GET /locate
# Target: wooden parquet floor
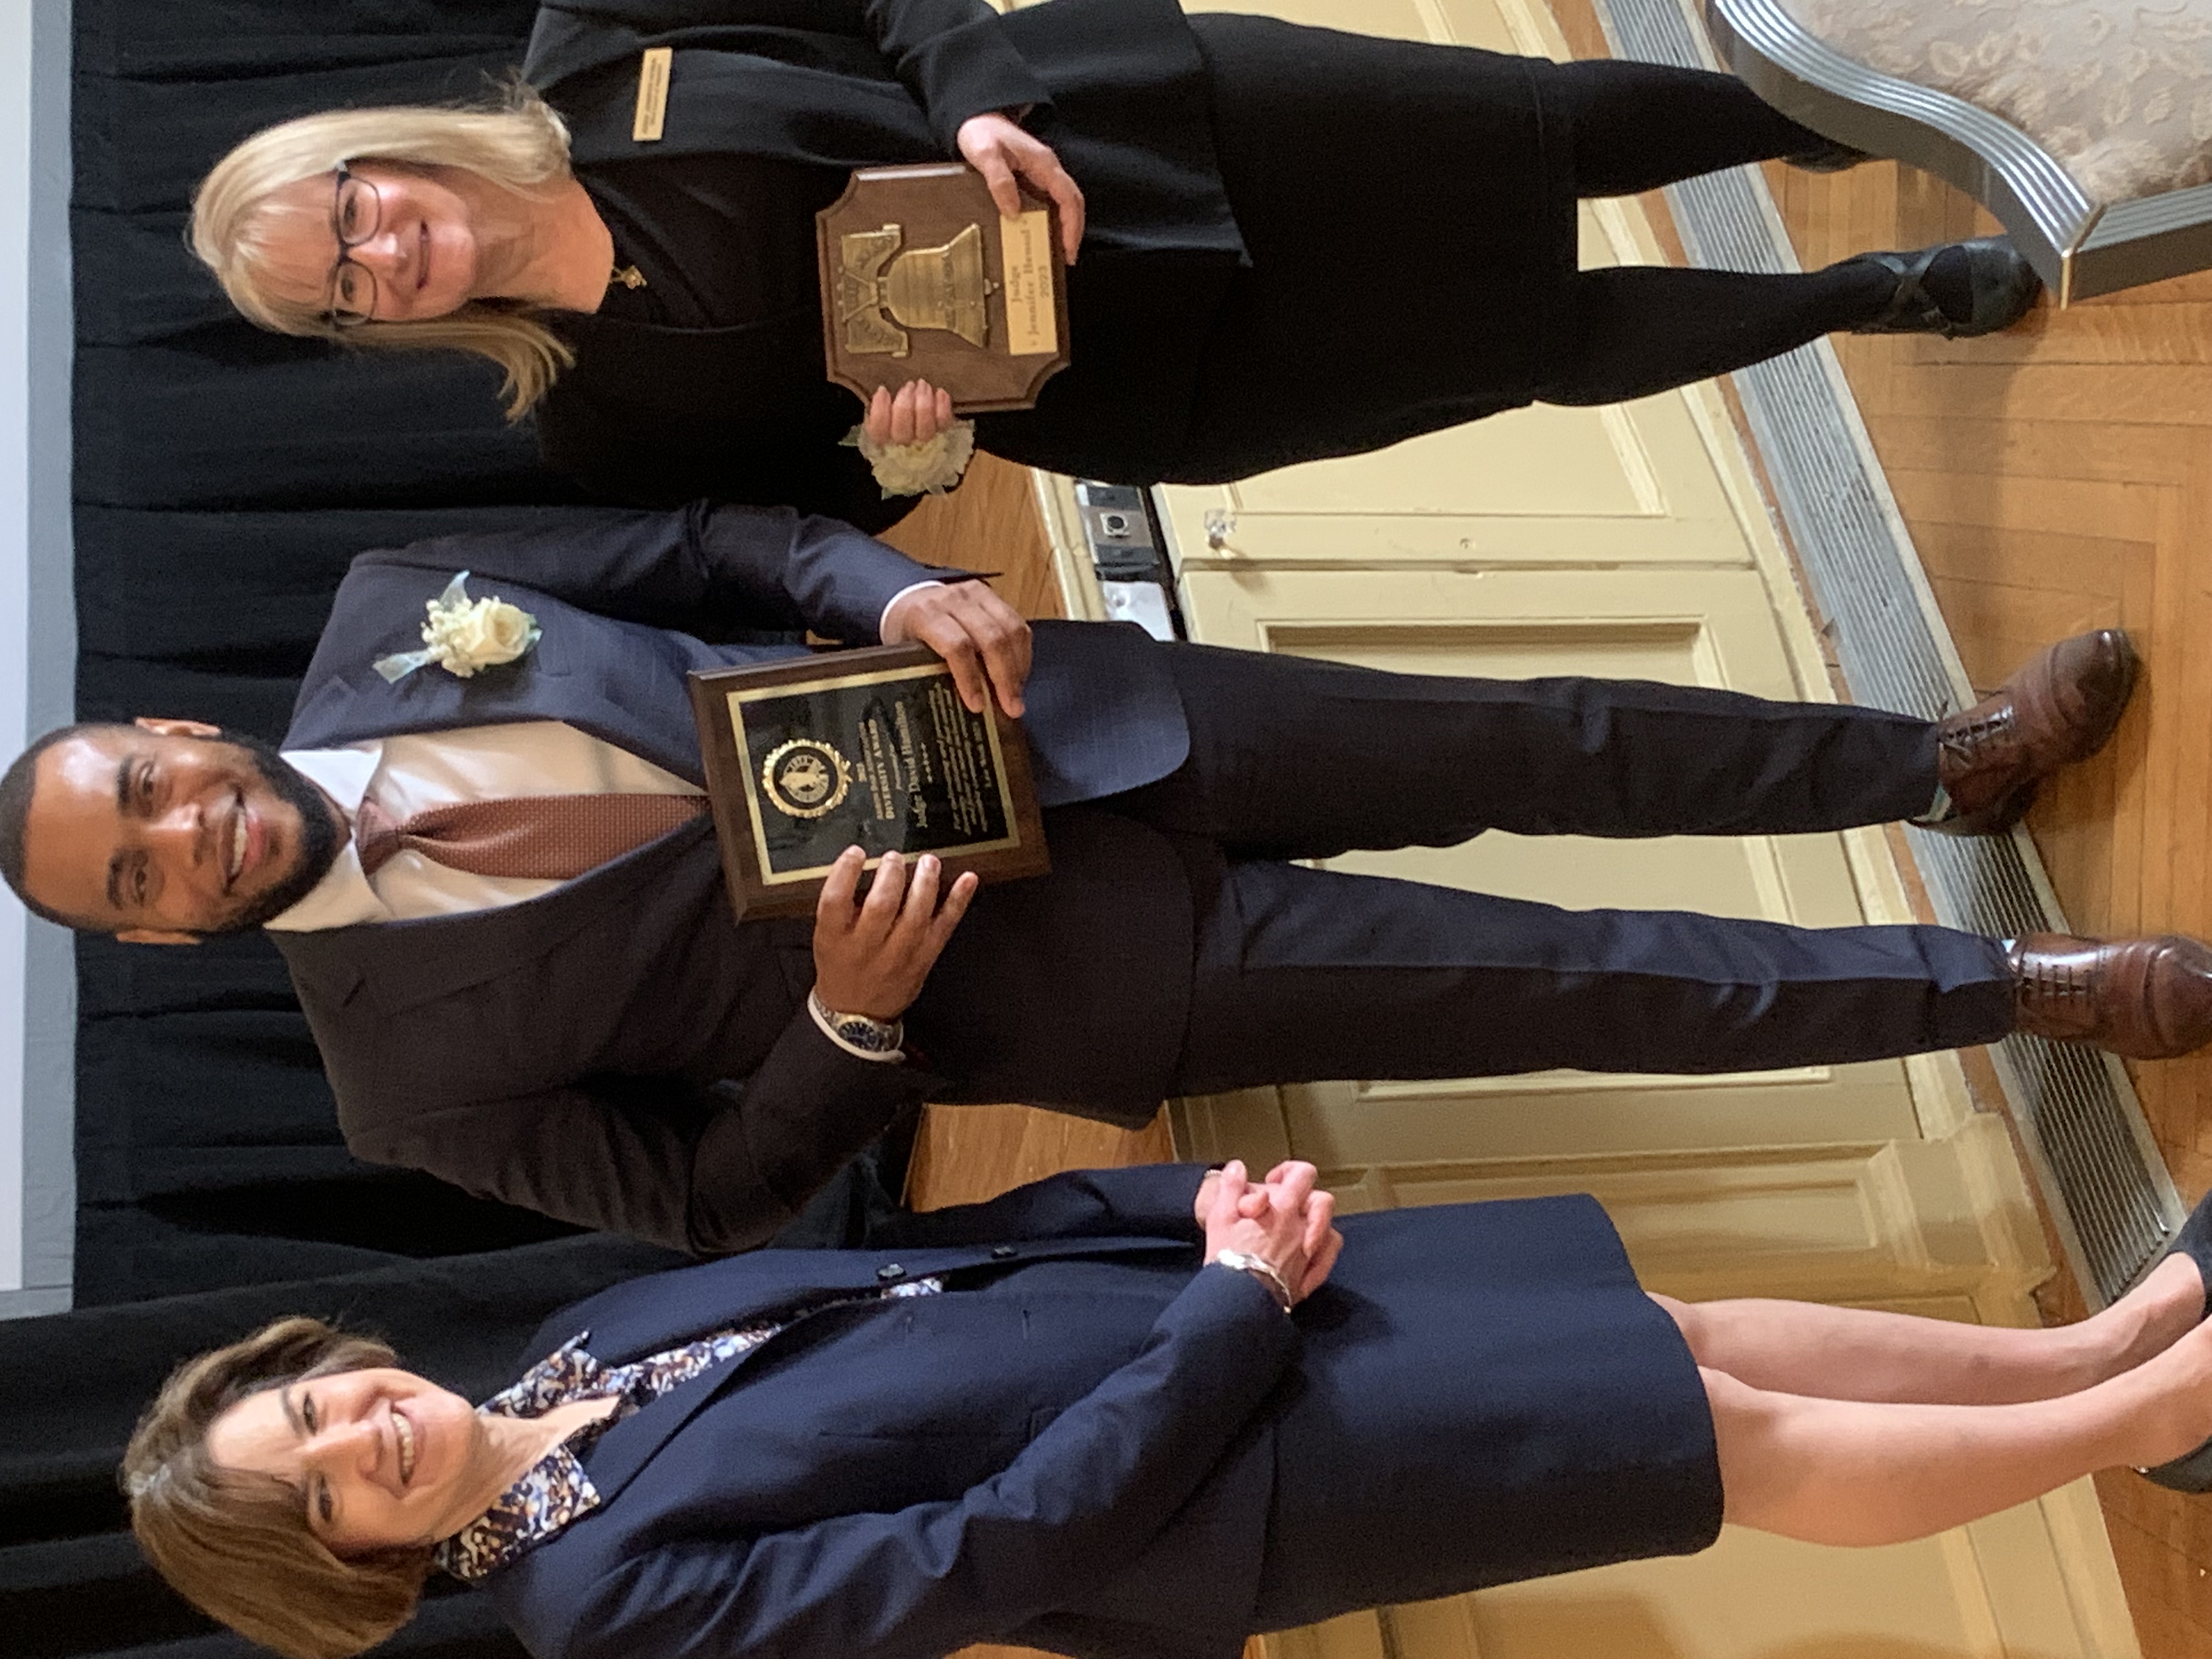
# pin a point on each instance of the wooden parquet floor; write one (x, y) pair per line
(2058, 477)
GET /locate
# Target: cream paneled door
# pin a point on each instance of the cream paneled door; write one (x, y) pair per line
(1633, 541)
(1628, 485)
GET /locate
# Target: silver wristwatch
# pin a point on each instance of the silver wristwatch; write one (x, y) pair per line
(1245, 1262)
(862, 1033)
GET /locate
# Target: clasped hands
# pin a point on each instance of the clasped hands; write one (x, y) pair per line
(1002, 152)
(1283, 1220)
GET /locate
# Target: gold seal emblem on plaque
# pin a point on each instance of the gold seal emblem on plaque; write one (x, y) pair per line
(805, 778)
(880, 288)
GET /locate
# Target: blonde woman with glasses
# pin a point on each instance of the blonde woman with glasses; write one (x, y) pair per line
(1291, 243)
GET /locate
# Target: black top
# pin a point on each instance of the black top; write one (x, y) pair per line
(721, 240)
(710, 379)
(787, 91)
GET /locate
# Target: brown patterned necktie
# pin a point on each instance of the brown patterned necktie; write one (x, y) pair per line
(542, 837)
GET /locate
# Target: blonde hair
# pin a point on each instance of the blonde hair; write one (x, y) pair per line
(237, 1545)
(519, 142)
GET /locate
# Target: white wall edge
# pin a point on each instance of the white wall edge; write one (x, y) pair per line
(38, 639)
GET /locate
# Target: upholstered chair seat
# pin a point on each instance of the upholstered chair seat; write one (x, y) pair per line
(2084, 126)
(2118, 92)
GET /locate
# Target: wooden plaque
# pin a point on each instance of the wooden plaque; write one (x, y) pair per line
(921, 280)
(870, 748)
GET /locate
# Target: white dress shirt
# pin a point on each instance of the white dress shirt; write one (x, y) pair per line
(410, 774)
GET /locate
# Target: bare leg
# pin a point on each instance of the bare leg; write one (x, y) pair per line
(1853, 1472)
(1852, 1353)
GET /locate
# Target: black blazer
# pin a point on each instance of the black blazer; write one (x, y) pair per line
(620, 1052)
(1102, 1451)
(657, 416)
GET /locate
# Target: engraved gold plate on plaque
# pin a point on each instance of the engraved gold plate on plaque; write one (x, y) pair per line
(922, 279)
(1028, 255)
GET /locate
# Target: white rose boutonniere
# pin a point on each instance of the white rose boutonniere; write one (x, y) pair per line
(464, 634)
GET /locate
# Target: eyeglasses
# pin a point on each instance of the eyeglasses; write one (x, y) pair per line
(356, 211)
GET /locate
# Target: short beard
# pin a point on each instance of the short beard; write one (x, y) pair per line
(319, 837)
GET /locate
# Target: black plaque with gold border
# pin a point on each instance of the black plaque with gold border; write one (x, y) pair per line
(870, 748)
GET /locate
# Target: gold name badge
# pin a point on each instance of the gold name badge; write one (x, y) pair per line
(1025, 258)
(652, 93)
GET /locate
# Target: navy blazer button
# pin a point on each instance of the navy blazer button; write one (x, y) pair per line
(890, 1270)
(1000, 1252)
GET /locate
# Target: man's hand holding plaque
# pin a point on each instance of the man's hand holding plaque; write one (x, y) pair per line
(872, 951)
(984, 640)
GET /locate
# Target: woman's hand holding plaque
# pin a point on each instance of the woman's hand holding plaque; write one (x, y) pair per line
(998, 149)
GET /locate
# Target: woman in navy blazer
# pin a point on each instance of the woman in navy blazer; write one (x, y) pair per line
(1041, 1420)
(1296, 243)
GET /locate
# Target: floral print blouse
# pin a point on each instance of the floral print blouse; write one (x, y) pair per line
(555, 1490)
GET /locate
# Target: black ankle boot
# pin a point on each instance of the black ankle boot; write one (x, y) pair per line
(2189, 1473)
(2194, 1471)
(1827, 156)
(2194, 1242)
(2002, 286)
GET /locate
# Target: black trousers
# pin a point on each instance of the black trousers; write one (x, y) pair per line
(1305, 975)
(1409, 211)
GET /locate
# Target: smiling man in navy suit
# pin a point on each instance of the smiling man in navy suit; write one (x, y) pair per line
(573, 1020)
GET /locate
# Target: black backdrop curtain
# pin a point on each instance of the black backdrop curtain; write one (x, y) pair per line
(223, 478)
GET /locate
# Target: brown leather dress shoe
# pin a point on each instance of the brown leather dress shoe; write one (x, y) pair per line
(2059, 708)
(2147, 999)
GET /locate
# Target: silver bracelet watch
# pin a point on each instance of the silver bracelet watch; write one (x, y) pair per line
(1245, 1262)
(861, 1032)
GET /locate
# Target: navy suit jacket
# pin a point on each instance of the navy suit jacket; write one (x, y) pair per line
(620, 1052)
(1077, 1455)
(1104, 1450)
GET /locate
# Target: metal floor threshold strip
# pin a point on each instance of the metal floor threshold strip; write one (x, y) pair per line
(2107, 1187)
